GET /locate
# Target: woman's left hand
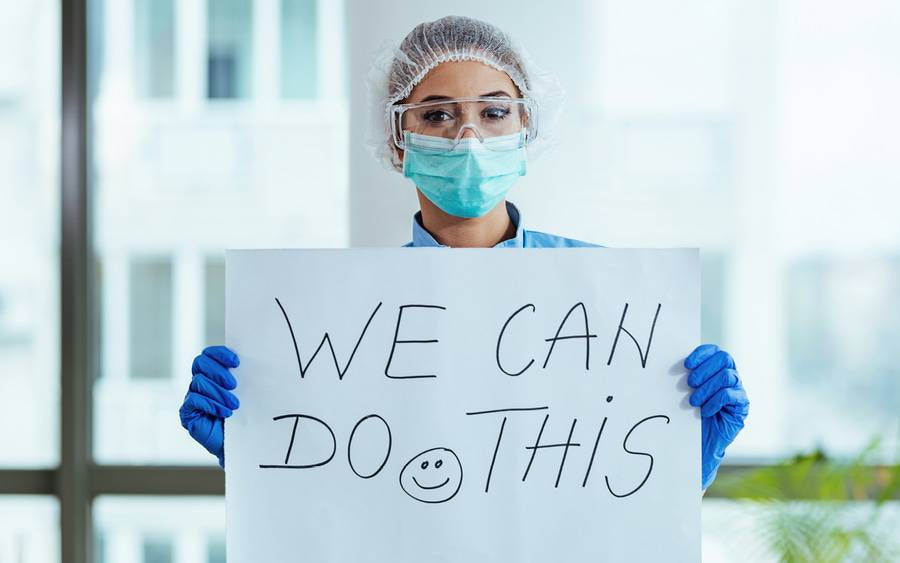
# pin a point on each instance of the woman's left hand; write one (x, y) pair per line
(723, 403)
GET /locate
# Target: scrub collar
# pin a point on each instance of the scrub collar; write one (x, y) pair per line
(422, 238)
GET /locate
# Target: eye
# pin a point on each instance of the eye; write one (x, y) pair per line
(496, 113)
(438, 463)
(424, 465)
(437, 116)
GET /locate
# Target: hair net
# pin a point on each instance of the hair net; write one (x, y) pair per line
(397, 70)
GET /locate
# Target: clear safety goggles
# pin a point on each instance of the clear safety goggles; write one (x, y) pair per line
(485, 117)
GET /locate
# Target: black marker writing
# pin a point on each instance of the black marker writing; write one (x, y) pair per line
(487, 484)
(538, 446)
(500, 339)
(586, 336)
(650, 457)
(325, 339)
(387, 454)
(642, 353)
(287, 456)
(510, 409)
(433, 476)
(387, 367)
(565, 451)
(587, 473)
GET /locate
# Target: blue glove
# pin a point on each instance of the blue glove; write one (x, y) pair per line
(722, 400)
(209, 400)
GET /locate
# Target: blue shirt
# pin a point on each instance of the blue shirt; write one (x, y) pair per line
(523, 238)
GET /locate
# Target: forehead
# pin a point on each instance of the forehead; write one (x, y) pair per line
(457, 79)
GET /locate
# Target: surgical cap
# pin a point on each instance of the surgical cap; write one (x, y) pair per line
(396, 70)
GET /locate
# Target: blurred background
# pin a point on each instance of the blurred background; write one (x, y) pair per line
(762, 131)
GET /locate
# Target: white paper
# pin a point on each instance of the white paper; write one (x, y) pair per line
(473, 500)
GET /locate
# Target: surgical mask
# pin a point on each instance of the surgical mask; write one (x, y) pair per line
(468, 177)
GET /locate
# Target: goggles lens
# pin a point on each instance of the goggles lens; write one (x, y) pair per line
(465, 118)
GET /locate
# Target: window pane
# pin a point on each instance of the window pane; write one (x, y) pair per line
(230, 24)
(181, 178)
(150, 318)
(215, 549)
(843, 321)
(154, 47)
(157, 549)
(215, 301)
(298, 48)
(29, 529)
(29, 235)
(159, 530)
(712, 280)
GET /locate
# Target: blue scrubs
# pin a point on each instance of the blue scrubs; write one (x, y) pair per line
(523, 238)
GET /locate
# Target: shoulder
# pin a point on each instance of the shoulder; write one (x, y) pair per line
(537, 239)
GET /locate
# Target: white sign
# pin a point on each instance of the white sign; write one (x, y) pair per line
(463, 405)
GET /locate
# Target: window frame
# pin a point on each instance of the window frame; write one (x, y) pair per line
(77, 480)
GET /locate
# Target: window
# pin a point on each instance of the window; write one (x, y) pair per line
(688, 154)
(150, 318)
(154, 47)
(173, 189)
(157, 549)
(712, 302)
(215, 549)
(29, 530)
(29, 234)
(159, 530)
(215, 301)
(298, 48)
(843, 326)
(229, 52)
(710, 136)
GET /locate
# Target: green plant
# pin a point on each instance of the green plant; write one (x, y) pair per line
(815, 508)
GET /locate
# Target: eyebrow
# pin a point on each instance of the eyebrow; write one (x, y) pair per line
(494, 94)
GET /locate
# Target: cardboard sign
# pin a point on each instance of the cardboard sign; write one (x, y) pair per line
(432, 405)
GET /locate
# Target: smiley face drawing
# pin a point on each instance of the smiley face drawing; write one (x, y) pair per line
(432, 476)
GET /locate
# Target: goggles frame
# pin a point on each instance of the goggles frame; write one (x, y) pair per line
(397, 111)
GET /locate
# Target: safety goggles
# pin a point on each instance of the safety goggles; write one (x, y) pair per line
(486, 117)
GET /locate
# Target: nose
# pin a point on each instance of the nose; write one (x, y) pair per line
(468, 131)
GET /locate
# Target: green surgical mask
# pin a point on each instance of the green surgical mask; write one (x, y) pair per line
(467, 178)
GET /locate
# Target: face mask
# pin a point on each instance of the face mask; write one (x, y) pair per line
(468, 178)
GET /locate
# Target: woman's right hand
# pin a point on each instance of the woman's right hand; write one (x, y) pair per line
(209, 400)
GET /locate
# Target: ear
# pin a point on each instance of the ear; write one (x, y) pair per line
(397, 151)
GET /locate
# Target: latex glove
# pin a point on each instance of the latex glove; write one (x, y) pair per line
(209, 400)
(722, 401)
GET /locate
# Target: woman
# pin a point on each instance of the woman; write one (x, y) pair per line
(459, 108)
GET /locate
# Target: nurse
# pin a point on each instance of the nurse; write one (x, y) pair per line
(459, 110)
